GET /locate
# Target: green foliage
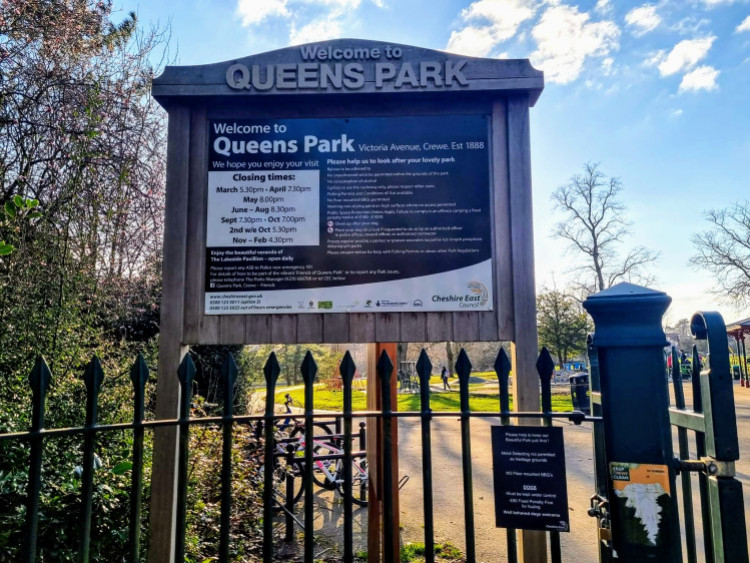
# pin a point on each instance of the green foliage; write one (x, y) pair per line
(325, 399)
(60, 499)
(484, 402)
(252, 359)
(61, 492)
(208, 382)
(204, 494)
(82, 170)
(122, 467)
(482, 354)
(562, 325)
(16, 212)
(81, 176)
(250, 362)
(443, 552)
(448, 551)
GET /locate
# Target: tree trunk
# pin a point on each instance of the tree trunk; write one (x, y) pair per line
(449, 355)
(402, 351)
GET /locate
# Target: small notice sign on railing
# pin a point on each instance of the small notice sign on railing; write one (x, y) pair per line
(531, 491)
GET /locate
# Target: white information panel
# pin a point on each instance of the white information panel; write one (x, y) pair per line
(263, 208)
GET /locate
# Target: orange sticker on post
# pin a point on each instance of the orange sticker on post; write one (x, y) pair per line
(644, 488)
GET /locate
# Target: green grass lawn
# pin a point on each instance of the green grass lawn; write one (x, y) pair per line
(437, 380)
(325, 399)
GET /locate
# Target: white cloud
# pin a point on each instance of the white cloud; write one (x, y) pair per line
(676, 113)
(643, 19)
(255, 11)
(607, 66)
(684, 56)
(307, 20)
(317, 30)
(473, 41)
(603, 6)
(714, 3)
(702, 78)
(690, 25)
(504, 16)
(566, 38)
(655, 58)
(488, 23)
(744, 26)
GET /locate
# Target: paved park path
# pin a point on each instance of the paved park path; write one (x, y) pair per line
(578, 545)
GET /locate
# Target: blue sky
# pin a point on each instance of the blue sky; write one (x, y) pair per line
(656, 92)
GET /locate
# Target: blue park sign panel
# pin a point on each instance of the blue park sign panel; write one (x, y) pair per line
(348, 191)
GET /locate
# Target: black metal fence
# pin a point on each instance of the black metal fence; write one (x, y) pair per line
(297, 467)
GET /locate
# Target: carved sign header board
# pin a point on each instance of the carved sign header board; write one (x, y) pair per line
(348, 191)
(349, 66)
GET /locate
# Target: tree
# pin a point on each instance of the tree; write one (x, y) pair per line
(681, 329)
(82, 147)
(724, 251)
(562, 325)
(595, 226)
(82, 151)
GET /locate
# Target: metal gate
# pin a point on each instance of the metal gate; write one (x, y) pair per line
(630, 392)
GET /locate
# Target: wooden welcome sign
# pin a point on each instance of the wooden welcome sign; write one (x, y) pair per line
(348, 191)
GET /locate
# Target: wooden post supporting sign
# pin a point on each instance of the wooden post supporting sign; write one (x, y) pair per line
(375, 529)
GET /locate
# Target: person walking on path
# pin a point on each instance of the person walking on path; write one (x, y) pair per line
(444, 376)
(288, 404)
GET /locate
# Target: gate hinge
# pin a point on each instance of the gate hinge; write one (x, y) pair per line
(707, 465)
(599, 509)
(599, 506)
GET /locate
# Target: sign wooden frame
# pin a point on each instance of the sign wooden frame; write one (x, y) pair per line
(376, 79)
(500, 89)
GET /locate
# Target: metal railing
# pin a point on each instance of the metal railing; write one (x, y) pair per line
(90, 432)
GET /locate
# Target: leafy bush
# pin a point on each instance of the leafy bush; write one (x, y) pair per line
(204, 495)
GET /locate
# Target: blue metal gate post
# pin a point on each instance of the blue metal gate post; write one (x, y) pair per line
(634, 395)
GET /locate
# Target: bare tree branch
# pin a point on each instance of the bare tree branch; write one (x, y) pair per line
(724, 251)
(595, 226)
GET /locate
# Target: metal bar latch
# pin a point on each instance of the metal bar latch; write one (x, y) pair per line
(706, 465)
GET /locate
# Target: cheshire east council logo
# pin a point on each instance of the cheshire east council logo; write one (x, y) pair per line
(479, 289)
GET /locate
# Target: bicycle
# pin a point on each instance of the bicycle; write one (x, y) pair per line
(328, 459)
(287, 462)
(328, 463)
